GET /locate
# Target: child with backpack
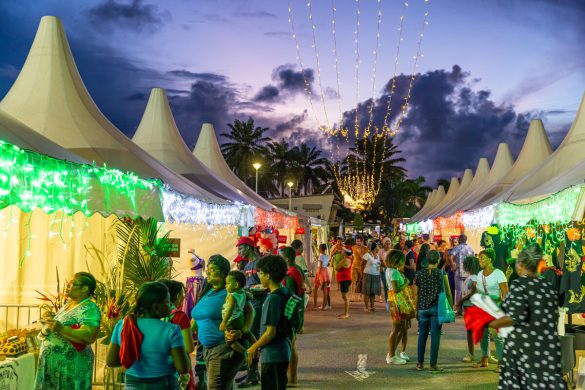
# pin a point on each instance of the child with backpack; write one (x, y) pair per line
(279, 312)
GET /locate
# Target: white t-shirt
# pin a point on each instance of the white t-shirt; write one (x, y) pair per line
(467, 284)
(372, 264)
(492, 282)
(324, 260)
(393, 275)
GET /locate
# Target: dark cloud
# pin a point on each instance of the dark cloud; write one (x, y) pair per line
(268, 94)
(205, 76)
(289, 82)
(256, 14)
(135, 16)
(448, 126)
(136, 96)
(207, 101)
(277, 34)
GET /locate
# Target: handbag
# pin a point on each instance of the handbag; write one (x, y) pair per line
(445, 311)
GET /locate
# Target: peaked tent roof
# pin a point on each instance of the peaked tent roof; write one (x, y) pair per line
(501, 167)
(439, 196)
(567, 156)
(535, 150)
(453, 188)
(428, 203)
(49, 96)
(463, 186)
(207, 150)
(19, 134)
(158, 134)
(481, 173)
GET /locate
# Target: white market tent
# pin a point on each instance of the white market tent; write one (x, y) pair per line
(19, 134)
(481, 173)
(502, 165)
(50, 97)
(207, 151)
(466, 181)
(535, 150)
(439, 196)
(560, 170)
(453, 188)
(158, 135)
(427, 206)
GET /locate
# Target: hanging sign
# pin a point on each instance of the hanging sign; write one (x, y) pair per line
(300, 231)
(282, 239)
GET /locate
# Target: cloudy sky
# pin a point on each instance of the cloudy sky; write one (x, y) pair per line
(488, 66)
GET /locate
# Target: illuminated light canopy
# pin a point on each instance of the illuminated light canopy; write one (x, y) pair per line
(480, 218)
(30, 181)
(275, 219)
(556, 208)
(180, 208)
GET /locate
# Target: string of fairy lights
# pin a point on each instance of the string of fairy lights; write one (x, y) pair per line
(360, 179)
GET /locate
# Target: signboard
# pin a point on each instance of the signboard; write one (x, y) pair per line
(175, 247)
(300, 231)
(282, 239)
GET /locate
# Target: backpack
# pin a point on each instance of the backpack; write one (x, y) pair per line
(290, 322)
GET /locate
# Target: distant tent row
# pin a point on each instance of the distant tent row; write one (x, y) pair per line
(537, 174)
(48, 110)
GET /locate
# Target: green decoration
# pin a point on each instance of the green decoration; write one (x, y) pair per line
(32, 181)
(556, 208)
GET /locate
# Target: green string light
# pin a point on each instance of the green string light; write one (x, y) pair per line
(33, 181)
(556, 208)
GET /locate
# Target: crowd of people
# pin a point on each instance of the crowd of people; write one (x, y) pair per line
(248, 315)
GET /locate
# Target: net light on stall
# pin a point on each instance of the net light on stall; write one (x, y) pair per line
(556, 208)
(480, 218)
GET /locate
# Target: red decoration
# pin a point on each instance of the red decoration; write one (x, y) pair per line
(275, 219)
(300, 231)
(282, 239)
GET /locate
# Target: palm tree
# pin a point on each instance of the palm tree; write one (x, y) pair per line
(378, 152)
(311, 168)
(281, 160)
(246, 146)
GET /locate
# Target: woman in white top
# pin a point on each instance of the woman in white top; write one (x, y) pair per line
(371, 281)
(490, 281)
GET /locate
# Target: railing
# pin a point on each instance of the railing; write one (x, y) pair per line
(23, 315)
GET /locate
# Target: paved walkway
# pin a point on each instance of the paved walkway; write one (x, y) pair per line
(330, 347)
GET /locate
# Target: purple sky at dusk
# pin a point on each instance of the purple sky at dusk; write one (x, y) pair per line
(489, 66)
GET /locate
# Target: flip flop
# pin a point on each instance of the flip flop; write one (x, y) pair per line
(436, 370)
(343, 317)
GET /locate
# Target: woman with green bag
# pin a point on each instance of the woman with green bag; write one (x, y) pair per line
(492, 282)
(430, 282)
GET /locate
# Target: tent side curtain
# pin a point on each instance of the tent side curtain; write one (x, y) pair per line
(29, 181)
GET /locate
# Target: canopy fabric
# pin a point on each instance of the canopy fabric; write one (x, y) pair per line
(207, 151)
(19, 134)
(501, 167)
(158, 134)
(463, 187)
(49, 96)
(535, 150)
(547, 177)
(453, 189)
(439, 196)
(427, 206)
(30, 181)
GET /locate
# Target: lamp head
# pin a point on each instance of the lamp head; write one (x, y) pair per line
(290, 184)
(257, 165)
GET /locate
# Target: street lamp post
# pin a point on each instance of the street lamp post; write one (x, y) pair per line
(290, 185)
(256, 166)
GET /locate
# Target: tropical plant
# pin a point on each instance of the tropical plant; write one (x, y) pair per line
(280, 158)
(54, 302)
(245, 147)
(311, 168)
(134, 254)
